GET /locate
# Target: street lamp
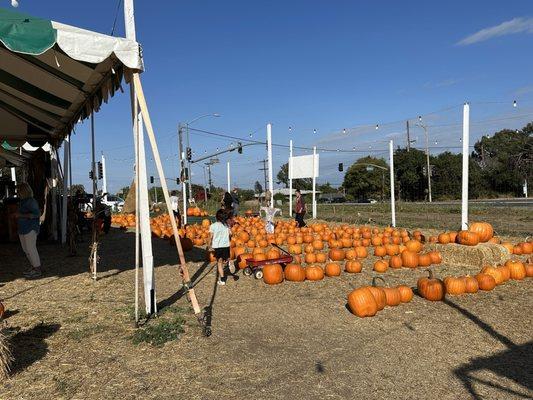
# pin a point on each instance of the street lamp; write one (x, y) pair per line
(428, 171)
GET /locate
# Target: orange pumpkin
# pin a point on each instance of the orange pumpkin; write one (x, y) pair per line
(424, 260)
(272, 274)
(517, 269)
(314, 273)
(336, 254)
(332, 269)
(435, 256)
(444, 238)
(294, 273)
(381, 266)
(395, 262)
(485, 281)
(410, 259)
(467, 238)
(455, 286)
(483, 230)
(471, 284)
(353, 266)
(430, 288)
(362, 303)
(406, 293)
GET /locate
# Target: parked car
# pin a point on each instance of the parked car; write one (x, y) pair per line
(115, 202)
(330, 198)
(367, 201)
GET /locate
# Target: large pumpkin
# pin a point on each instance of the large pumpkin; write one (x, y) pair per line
(272, 274)
(414, 245)
(294, 273)
(379, 295)
(431, 288)
(483, 229)
(362, 303)
(494, 272)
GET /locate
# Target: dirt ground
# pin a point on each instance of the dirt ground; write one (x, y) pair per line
(71, 336)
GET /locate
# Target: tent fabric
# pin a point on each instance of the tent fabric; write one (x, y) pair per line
(50, 81)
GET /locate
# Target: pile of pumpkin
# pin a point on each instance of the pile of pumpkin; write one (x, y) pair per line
(481, 232)
(196, 212)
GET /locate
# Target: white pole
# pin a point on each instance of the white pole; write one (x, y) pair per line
(184, 196)
(142, 186)
(66, 185)
(104, 178)
(269, 150)
(290, 178)
(13, 175)
(229, 179)
(53, 192)
(466, 137)
(392, 197)
(314, 182)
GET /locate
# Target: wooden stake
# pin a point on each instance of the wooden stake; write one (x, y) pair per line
(151, 136)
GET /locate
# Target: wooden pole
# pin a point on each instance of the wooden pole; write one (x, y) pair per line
(151, 136)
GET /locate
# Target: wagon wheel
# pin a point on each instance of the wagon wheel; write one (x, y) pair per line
(247, 271)
(258, 274)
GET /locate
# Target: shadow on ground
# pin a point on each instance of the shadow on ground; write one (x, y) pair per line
(29, 346)
(515, 364)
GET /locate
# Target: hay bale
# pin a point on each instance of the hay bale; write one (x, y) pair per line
(129, 202)
(5, 356)
(471, 256)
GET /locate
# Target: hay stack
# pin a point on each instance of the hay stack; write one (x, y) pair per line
(129, 202)
(471, 256)
(5, 356)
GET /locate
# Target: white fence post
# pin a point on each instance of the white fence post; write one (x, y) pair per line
(466, 155)
(269, 151)
(392, 196)
(229, 179)
(314, 182)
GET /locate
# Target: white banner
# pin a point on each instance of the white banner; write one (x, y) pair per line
(302, 167)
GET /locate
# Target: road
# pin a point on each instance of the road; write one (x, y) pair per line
(515, 202)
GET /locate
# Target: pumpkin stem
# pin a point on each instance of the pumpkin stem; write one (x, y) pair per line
(430, 271)
(376, 278)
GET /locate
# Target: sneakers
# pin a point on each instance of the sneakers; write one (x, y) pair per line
(231, 267)
(33, 273)
(221, 281)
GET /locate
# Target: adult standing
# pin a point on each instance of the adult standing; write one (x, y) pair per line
(300, 209)
(236, 201)
(28, 229)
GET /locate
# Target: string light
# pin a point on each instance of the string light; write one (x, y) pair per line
(314, 131)
(344, 131)
(14, 3)
(514, 103)
(377, 126)
(290, 129)
(419, 118)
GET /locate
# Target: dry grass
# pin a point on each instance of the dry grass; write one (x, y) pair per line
(72, 338)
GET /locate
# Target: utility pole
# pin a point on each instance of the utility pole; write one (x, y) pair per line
(182, 169)
(264, 169)
(428, 169)
(408, 138)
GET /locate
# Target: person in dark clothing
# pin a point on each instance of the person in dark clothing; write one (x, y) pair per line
(300, 209)
(227, 202)
(236, 202)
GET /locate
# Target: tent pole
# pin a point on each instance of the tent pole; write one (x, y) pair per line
(289, 168)
(94, 233)
(66, 185)
(269, 152)
(135, 112)
(392, 195)
(464, 191)
(151, 136)
(314, 182)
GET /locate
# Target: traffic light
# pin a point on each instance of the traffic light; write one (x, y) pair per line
(177, 181)
(100, 170)
(91, 175)
(151, 179)
(239, 150)
(189, 154)
(341, 167)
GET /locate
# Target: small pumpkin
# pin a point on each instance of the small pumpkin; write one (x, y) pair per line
(332, 269)
(435, 256)
(410, 259)
(444, 238)
(455, 286)
(406, 293)
(431, 288)
(467, 238)
(517, 269)
(321, 258)
(485, 281)
(336, 254)
(494, 272)
(314, 273)
(353, 266)
(381, 266)
(471, 284)
(484, 230)
(424, 260)
(395, 262)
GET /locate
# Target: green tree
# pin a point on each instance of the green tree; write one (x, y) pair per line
(409, 174)
(123, 193)
(506, 159)
(362, 183)
(75, 188)
(283, 177)
(326, 188)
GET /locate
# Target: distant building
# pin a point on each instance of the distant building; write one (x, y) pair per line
(332, 198)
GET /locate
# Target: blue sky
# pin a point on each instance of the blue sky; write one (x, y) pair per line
(310, 65)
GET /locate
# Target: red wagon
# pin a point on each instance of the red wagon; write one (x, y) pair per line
(255, 267)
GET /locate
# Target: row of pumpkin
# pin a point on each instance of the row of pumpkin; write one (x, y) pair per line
(366, 301)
